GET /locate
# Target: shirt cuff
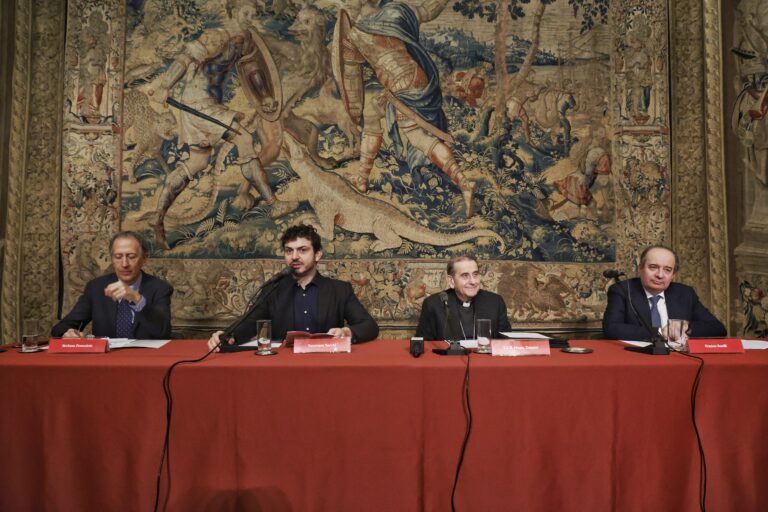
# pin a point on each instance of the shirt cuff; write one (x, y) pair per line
(138, 307)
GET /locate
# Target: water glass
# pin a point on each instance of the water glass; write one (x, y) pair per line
(30, 336)
(264, 337)
(483, 335)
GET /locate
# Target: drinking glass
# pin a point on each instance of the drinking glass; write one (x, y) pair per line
(483, 335)
(30, 336)
(264, 337)
(677, 334)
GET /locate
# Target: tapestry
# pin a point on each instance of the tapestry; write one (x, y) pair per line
(748, 66)
(533, 135)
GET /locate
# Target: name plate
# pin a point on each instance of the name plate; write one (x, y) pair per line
(517, 348)
(329, 345)
(724, 346)
(78, 345)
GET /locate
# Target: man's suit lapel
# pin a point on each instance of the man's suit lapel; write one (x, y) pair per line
(284, 305)
(673, 302)
(111, 307)
(640, 301)
(324, 291)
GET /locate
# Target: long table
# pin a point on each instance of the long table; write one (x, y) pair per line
(379, 430)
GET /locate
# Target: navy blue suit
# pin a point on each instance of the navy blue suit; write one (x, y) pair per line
(152, 322)
(620, 322)
(487, 305)
(337, 305)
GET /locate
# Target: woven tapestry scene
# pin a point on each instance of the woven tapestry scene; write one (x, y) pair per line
(526, 133)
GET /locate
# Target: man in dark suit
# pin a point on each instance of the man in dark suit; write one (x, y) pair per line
(467, 302)
(307, 301)
(658, 299)
(128, 303)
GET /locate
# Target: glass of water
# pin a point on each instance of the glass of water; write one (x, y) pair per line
(264, 337)
(30, 336)
(483, 335)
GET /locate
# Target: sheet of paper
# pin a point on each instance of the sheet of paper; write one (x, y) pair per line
(115, 343)
(255, 343)
(525, 335)
(754, 344)
(636, 343)
(468, 343)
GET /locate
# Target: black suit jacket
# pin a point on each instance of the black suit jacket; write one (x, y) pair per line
(620, 322)
(152, 322)
(337, 305)
(487, 305)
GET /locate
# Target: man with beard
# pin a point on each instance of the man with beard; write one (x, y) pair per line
(466, 301)
(307, 301)
(128, 303)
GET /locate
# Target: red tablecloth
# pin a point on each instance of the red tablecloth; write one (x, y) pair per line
(379, 430)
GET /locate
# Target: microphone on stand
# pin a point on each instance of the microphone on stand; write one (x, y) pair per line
(658, 346)
(455, 348)
(264, 291)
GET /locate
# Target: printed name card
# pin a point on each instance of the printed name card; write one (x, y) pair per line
(329, 345)
(724, 346)
(78, 345)
(517, 348)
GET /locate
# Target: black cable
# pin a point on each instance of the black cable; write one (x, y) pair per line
(468, 414)
(702, 457)
(168, 412)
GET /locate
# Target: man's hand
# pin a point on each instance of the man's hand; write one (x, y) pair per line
(72, 333)
(676, 333)
(119, 290)
(340, 332)
(215, 340)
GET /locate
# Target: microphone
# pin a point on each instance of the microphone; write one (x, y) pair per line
(264, 291)
(447, 330)
(613, 274)
(455, 348)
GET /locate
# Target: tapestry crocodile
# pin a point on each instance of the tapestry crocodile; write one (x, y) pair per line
(336, 203)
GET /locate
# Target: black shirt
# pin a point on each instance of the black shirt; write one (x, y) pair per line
(305, 309)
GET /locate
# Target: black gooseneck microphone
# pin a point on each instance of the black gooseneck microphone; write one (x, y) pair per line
(455, 348)
(658, 346)
(264, 291)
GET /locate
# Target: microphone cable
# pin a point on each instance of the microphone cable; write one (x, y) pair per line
(166, 452)
(468, 414)
(702, 457)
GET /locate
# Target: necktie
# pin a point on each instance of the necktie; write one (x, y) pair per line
(124, 327)
(655, 316)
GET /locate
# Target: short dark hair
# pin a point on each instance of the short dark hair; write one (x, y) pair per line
(464, 257)
(644, 255)
(302, 231)
(135, 236)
